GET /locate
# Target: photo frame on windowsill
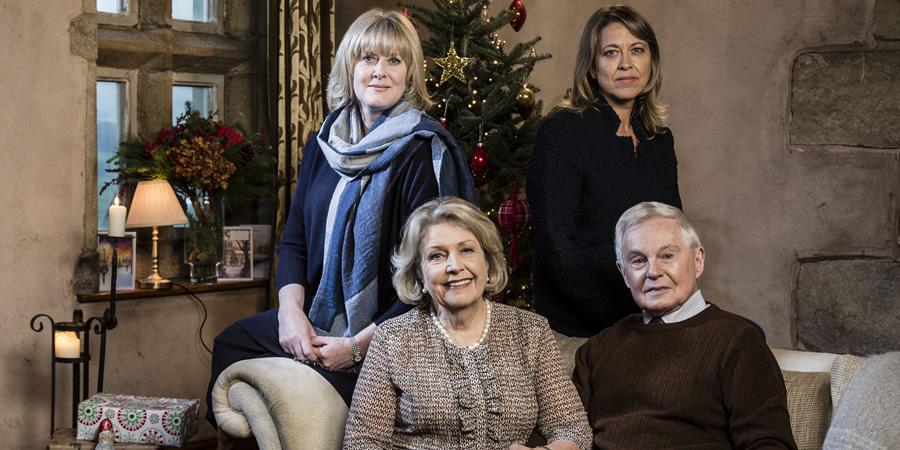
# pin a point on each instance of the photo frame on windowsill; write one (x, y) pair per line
(262, 250)
(125, 252)
(237, 260)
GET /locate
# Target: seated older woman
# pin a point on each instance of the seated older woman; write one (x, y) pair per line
(460, 371)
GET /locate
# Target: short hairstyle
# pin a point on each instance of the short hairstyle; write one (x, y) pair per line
(407, 258)
(647, 210)
(586, 90)
(382, 32)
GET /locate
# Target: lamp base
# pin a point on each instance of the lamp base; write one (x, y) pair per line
(151, 283)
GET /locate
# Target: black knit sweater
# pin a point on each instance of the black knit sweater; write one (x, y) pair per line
(581, 178)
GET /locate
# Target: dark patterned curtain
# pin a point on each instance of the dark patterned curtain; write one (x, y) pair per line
(301, 53)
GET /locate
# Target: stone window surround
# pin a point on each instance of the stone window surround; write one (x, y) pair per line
(217, 82)
(154, 50)
(129, 77)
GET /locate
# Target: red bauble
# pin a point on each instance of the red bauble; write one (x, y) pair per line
(479, 163)
(514, 215)
(519, 19)
(444, 122)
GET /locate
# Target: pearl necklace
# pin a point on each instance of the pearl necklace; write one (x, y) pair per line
(487, 326)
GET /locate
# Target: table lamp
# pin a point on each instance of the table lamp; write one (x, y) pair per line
(155, 205)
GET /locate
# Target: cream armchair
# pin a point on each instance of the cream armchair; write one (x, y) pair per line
(282, 403)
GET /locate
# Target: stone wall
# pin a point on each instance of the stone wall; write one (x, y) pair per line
(848, 301)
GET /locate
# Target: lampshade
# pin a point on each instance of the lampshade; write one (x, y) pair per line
(154, 204)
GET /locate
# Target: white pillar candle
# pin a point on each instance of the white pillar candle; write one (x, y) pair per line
(67, 344)
(117, 219)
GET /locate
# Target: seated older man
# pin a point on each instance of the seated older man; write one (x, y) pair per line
(683, 373)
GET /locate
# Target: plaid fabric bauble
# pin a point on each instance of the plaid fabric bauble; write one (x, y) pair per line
(514, 215)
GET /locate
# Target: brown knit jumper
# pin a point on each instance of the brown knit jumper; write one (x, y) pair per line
(707, 382)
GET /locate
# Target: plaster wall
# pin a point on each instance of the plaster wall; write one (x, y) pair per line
(759, 204)
(155, 350)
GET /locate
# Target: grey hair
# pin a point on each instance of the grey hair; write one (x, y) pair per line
(407, 258)
(646, 210)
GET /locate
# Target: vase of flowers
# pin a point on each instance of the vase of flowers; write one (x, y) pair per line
(203, 238)
(211, 166)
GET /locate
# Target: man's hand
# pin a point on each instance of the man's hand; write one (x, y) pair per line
(295, 332)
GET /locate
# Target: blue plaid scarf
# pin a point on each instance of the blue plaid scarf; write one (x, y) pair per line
(369, 165)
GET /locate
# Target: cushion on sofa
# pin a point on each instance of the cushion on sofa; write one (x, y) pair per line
(867, 415)
(809, 404)
(841, 372)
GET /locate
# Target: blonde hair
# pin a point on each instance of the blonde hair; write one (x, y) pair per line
(407, 258)
(586, 90)
(382, 32)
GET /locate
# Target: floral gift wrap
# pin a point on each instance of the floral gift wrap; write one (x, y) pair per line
(139, 420)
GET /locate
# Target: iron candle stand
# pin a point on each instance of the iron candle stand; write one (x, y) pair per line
(82, 330)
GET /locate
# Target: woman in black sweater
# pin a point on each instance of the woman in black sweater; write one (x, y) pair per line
(606, 150)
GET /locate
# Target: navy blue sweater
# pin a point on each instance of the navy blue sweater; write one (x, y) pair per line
(301, 253)
(581, 178)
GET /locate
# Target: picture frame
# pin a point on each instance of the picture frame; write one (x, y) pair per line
(262, 250)
(237, 259)
(125, 252)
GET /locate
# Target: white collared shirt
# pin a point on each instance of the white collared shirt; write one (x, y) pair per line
(693, 306)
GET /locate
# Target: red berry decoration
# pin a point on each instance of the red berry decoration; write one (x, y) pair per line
(519, 19)
(479, 163)
(514, 216)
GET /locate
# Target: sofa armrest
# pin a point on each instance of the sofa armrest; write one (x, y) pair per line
(281, 402)
(801, 361)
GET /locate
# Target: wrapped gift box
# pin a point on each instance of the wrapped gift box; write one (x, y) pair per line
(139, 420)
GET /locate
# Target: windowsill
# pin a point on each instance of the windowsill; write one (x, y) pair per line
(175, 290)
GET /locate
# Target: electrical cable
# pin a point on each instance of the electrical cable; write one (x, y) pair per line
(200, 332)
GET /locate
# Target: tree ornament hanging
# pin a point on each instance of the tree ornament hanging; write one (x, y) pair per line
(413, 22)
(519, 19)
(525, 102)
(444, 117)
(485, 15)
(479, 163)
(452, 64)
(514, 216)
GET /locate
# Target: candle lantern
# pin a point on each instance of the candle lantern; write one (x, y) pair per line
(70, 344)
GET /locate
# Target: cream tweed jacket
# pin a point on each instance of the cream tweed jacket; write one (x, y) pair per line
(418, 390)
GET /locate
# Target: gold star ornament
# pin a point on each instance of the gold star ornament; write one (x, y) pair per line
(453, 65)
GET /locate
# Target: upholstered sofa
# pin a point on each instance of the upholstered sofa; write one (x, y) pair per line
(285, 405)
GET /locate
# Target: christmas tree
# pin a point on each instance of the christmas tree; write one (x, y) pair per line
(483, 98)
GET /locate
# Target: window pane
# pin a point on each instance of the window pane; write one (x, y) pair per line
(112, 6)
(110, 130)
(199, 96)
(193, 10)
